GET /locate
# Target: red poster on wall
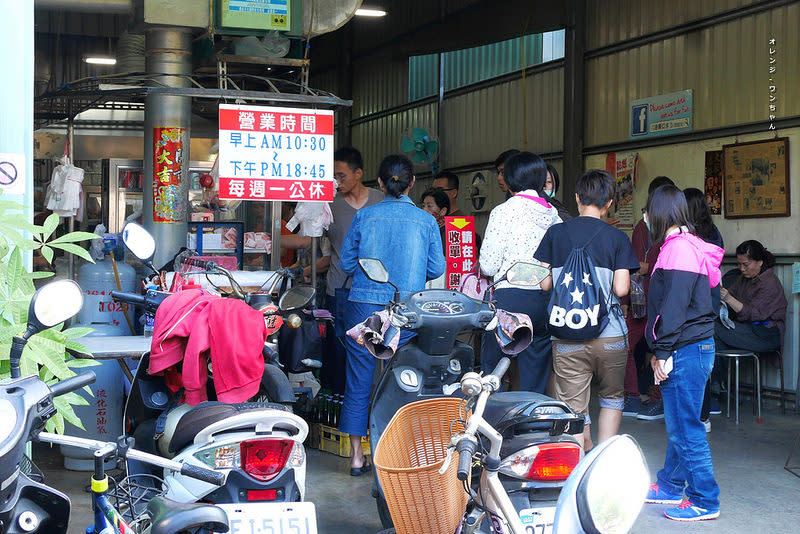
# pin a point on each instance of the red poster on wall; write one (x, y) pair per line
(167, 156)
(461, 252)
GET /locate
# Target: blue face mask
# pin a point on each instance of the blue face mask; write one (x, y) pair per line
(551, 193)
(646, 221)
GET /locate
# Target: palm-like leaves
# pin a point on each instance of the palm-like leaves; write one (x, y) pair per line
(46, 352)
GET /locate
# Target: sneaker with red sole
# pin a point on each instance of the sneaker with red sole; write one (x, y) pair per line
(656, 495)
(686, 511)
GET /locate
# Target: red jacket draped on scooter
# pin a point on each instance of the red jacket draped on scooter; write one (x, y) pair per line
(192, 325)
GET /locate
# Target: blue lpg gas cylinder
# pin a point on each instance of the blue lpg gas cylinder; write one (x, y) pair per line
(97, 281)
(102, 418)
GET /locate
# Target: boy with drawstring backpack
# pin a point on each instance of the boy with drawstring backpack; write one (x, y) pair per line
(591, 263)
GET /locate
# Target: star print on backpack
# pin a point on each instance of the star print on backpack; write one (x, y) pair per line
(578, 309)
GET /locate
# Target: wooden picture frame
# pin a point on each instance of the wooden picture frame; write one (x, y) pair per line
(756, 179)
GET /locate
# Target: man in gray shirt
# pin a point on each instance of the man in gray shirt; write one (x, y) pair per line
(352, 195)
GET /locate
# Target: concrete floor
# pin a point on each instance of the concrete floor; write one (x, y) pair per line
(758, 495)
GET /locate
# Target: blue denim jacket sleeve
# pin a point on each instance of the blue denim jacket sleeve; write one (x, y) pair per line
(436, 261)
(348, 255)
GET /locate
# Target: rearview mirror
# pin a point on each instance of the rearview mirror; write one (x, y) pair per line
(53, 304)
(139, 241)
(296, 298)
(606, 491)
(526, 274)
(374, 269)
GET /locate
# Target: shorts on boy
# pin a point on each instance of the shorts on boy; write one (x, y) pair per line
(577, 363)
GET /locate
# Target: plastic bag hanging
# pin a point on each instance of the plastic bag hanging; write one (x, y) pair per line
(313, 217)
(64, 193)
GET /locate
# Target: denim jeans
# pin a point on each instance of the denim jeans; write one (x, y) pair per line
(360, 371)
(688, 460)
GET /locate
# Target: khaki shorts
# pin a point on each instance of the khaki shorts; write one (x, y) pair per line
(575, 363)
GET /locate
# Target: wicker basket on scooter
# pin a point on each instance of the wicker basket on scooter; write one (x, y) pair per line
(407, 459)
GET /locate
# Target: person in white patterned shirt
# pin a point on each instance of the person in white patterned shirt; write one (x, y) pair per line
(513, 234)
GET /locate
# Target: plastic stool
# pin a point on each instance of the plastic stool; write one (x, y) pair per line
(735, 355)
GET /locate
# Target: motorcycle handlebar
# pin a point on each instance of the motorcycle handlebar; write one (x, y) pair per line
(72, 384)
(203, 474)
(502, 367)
(466, 450)
(130, 298)
(200, 473)
(202, 264)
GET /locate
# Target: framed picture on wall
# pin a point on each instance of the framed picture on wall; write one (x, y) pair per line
(756, 179)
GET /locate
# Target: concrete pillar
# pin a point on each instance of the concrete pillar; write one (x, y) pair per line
(168, 51)
(16, 103)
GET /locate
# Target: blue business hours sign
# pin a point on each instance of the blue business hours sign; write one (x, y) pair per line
(661, 115)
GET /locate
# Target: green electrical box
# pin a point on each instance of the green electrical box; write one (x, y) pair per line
(259, 15)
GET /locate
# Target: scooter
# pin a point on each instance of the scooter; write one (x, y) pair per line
(432, 365)
(26, 403)
(603, 494)
(283, 318)
(258, 445)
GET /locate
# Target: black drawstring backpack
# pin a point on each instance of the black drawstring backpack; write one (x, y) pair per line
(578, 308)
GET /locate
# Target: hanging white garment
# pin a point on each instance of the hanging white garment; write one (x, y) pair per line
(64, 194)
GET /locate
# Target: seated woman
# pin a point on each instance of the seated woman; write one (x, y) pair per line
(756, 303)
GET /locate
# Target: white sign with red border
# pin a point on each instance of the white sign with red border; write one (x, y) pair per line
(272, 153)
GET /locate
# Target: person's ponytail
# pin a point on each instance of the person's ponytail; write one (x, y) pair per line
(396, 174)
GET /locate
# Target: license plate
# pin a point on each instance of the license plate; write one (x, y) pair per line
(271, 518)
(538, 520)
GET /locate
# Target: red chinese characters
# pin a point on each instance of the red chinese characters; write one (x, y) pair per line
(274, 189)
(460, 247)
(274, 153)
(167, 156)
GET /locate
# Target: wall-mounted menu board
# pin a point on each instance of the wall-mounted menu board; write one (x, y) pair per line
(756, 179)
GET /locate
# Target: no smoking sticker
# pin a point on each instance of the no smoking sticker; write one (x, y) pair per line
(12, 174)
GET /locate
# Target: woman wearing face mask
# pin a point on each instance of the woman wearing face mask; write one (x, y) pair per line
(513, 234)
(551, 188)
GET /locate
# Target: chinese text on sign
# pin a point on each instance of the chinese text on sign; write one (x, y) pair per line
(269, 153)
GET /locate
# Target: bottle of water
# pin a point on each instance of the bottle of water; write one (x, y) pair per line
(149, 323)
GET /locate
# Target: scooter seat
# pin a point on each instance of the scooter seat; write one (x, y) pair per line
(524, 418)
(168, 516)
(205, 414)
(501, 405)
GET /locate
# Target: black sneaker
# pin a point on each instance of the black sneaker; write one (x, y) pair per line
(714, 407)
(633, 406)
(652, 411)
